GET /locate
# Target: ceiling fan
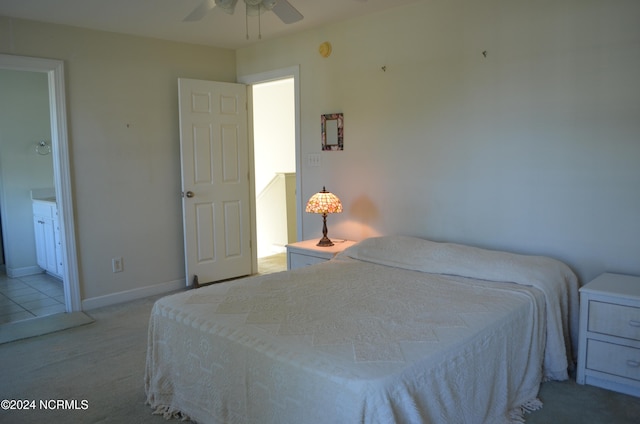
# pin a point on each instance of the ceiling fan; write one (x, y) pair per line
(281, 8)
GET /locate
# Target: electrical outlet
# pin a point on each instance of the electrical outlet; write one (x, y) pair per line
(116, 264)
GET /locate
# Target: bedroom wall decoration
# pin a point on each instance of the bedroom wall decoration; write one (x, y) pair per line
(332, 126)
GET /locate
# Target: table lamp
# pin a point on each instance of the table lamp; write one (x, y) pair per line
(324, 203)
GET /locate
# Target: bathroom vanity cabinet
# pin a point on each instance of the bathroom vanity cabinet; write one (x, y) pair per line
(47, 231)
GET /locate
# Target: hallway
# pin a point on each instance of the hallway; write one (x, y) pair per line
(29, 297)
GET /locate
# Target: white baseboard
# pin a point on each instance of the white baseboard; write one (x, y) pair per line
(23, 272)
(128, 295)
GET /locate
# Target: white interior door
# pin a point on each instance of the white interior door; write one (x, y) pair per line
(214, 150)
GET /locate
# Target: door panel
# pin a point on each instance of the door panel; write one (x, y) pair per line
(232, 228)
(205, 232)
(215, 176)
(202, 154)
(230, 154)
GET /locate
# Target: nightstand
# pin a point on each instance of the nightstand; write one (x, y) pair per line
(609, 346)
(306, 252)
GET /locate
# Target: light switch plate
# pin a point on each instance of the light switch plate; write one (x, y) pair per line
(313, 159)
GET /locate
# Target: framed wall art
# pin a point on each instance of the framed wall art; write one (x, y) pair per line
(332, 126)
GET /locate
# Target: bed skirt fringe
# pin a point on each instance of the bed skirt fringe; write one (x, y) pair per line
(169, 413)
(516, 415)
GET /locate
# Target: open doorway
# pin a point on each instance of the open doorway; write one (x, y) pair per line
(274, 166)
(26, 183)
(274, 129)
(59, 187)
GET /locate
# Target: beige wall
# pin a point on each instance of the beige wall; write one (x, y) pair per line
(534, 148)
(124, 142)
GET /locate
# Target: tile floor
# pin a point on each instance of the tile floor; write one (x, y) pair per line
(29, 297)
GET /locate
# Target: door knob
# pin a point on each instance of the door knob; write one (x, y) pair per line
(189, 194)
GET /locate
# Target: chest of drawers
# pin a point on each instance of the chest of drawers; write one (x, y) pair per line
(609, 346)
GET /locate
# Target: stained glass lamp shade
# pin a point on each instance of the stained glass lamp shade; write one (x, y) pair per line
(324, 203)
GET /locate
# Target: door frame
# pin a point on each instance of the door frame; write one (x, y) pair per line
(61, 165)
(249, 80)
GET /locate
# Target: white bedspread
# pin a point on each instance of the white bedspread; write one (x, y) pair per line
(554, 278)
(351, 341)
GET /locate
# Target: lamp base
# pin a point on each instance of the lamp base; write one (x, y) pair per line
(325, 242)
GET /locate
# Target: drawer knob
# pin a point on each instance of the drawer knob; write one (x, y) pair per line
(634, 323)
(632, 363)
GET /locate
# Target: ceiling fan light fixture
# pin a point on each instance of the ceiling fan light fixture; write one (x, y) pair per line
(228, 6)
(258, 7)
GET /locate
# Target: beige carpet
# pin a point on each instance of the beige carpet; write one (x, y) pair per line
(273, 263)
(103, 363)
(33, 327)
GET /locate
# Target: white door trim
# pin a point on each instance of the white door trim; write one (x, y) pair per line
(61, 165)
(290, 72)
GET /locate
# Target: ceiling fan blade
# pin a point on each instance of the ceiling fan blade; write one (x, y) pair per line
(200, 11)
(286, 12)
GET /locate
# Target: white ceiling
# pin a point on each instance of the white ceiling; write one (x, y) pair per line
(163, 18)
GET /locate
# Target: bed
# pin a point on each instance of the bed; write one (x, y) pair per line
(393, 330)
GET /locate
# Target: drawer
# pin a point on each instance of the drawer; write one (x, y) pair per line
(616, 320)
(299, 260)
(609, 358)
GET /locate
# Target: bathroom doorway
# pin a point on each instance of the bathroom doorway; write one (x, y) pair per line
(50, 74)
(26, 173)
